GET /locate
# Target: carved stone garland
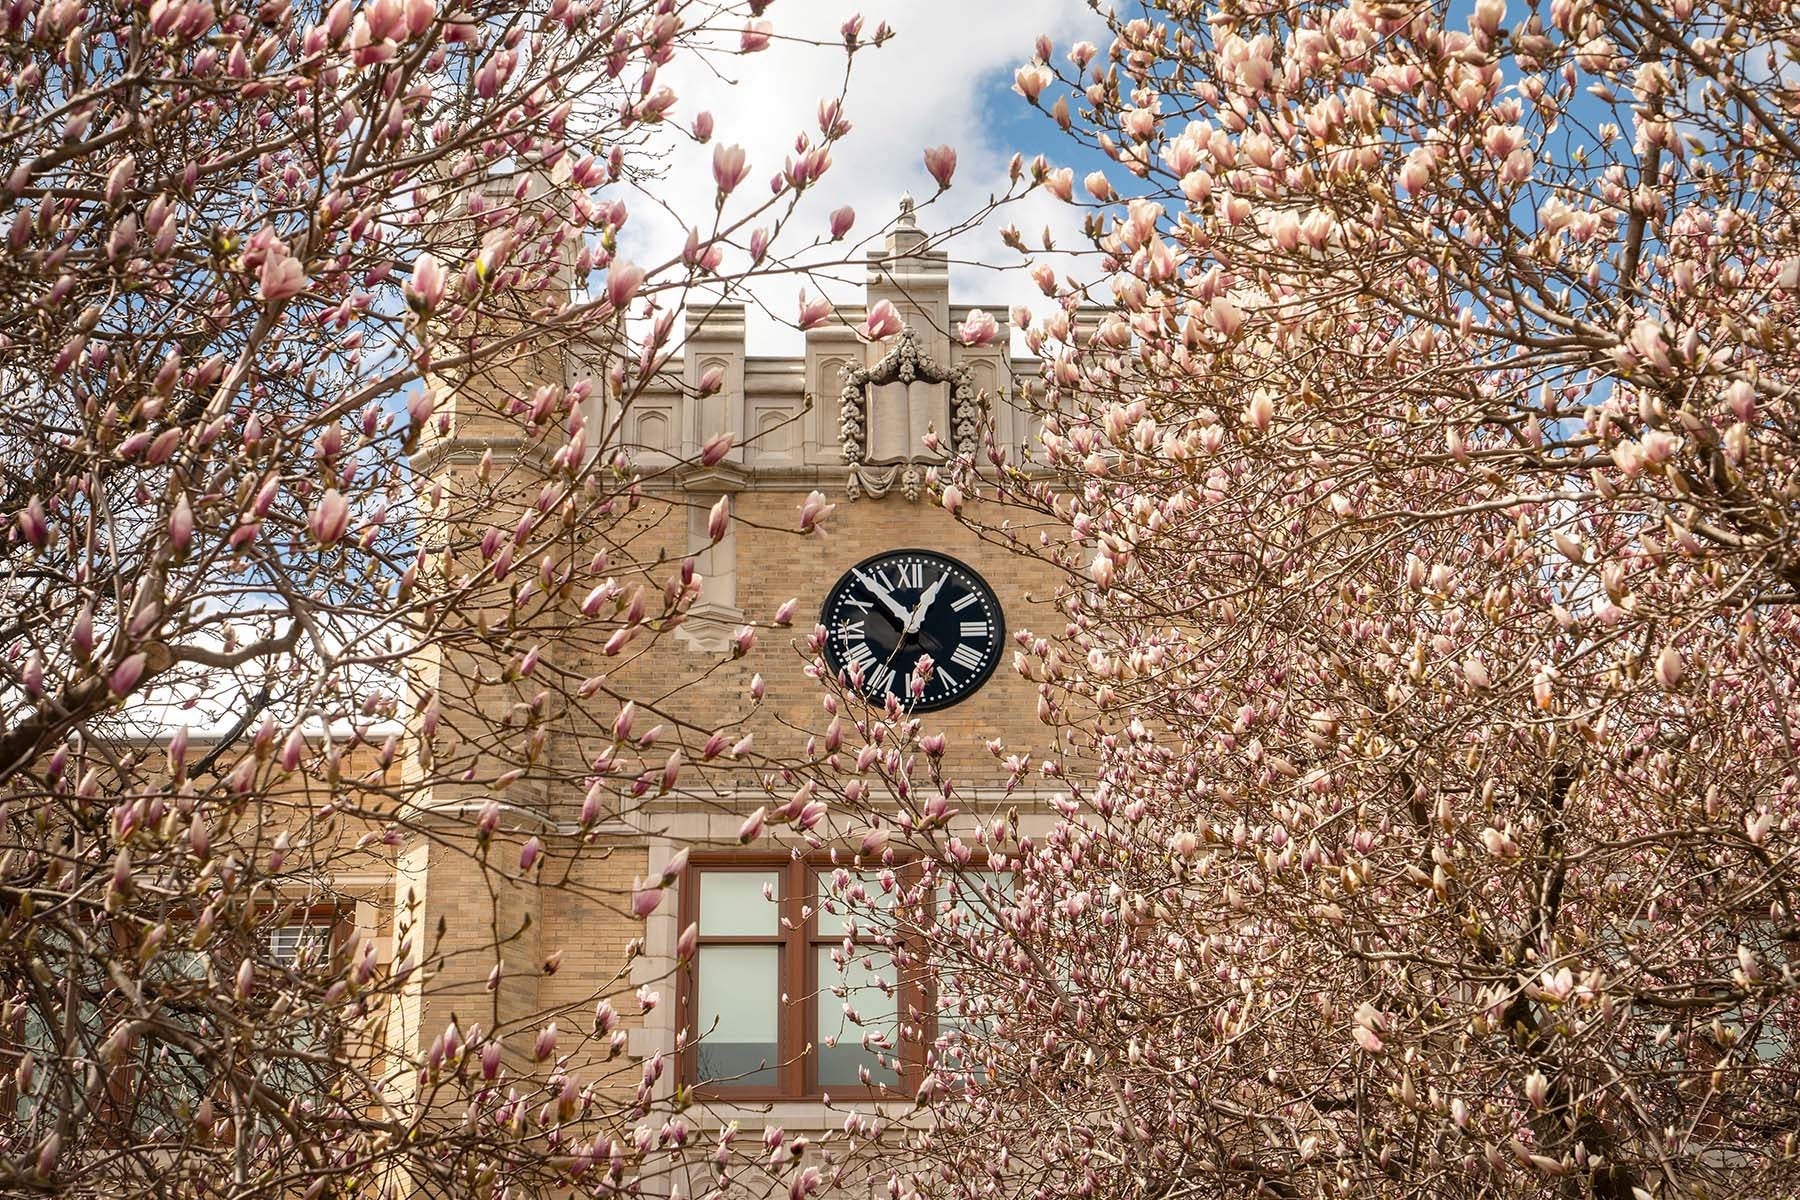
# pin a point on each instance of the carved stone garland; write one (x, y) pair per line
(902, 364)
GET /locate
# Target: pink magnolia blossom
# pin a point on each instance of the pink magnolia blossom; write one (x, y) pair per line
(883, 322)
(841, 220)
(978, 328)
(730, 167)
(425, 290)
(282, 277)
(1031, 80)
(813, 310)
(623, 280)
(813, 511)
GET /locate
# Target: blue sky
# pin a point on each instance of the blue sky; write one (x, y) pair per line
(945, 78)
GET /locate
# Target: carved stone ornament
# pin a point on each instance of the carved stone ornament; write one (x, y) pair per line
(904, 364)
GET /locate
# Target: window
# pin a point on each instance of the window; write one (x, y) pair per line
(782, 998)
(970, 910)
(285, 945)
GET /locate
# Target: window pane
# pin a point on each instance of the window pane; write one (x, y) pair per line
(739, 995)
(856, 900)
(968, 910)
(732, 904)
(877, 1014)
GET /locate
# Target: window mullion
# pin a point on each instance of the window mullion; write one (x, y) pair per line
(800, 987)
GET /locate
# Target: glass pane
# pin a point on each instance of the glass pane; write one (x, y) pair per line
(857, 985)
(732, 904)
(969, 910)
(865, 900)
(975, 896)
(738, 997)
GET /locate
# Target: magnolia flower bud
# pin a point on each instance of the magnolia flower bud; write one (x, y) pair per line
(292, 748)
(716, 448)
(331, 517)
(126, 675)
(752, 827)
(940, 161)
(1669, 668)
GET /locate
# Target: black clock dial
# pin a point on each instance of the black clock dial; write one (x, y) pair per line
(893, 610)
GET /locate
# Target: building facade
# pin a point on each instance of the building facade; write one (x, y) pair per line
(755, 1017)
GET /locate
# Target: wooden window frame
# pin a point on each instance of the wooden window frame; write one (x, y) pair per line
(798, 937)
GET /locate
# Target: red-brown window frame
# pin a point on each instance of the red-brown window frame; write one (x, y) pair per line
(798, 937)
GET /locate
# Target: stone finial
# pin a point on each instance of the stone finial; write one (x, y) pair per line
(906, 211)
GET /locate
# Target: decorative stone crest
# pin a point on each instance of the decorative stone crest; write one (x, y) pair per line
(904, 364)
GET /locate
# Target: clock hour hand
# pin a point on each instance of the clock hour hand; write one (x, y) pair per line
(917, 617)
(885, 596)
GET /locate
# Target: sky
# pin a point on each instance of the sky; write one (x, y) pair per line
(945, 78)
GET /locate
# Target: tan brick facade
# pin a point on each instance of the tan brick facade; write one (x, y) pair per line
(788, 413)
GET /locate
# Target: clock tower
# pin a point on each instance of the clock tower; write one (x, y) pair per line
(914, 605)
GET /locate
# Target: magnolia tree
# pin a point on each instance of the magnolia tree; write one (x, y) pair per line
(1424, 474)
(264, 263)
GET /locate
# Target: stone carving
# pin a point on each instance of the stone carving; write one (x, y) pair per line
(904, 364)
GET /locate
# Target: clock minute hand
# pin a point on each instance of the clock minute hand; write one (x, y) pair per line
(885, 596)
(918, 614)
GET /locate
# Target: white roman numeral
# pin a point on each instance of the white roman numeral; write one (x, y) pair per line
(975, 629)
(860, 656)
(858, 602)
(949, 680)
(963, 601)
(966, 656)
(912, 575)
(850, 630)
(881, 679)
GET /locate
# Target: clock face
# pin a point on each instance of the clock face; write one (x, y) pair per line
(891, 611)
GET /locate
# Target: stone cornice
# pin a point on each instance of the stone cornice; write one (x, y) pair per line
(724, 477)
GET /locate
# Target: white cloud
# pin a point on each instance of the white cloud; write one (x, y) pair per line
(930, 84)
